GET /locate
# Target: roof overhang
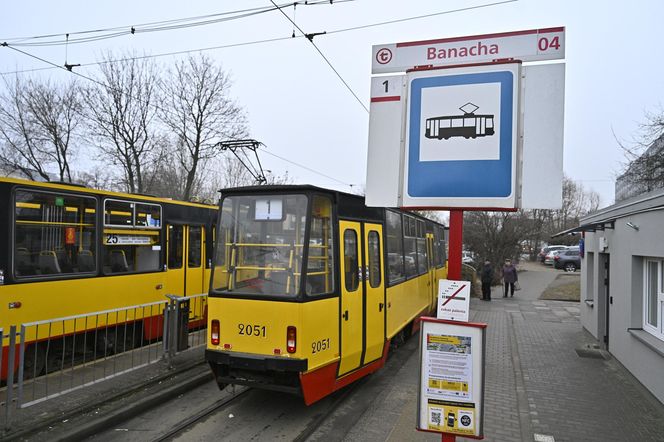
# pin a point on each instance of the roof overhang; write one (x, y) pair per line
(590, 227)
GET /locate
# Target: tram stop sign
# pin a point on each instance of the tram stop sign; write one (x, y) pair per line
(461, 136)
(449, 132)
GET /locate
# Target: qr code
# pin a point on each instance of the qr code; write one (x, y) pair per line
(436, 417)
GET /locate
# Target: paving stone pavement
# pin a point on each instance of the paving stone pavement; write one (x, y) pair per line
(537, 385)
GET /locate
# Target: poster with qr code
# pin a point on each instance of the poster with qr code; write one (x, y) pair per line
(451, 387)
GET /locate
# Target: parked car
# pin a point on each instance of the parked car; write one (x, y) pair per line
(550, 257)
(569, 260)
(541, 256)
(467, 257)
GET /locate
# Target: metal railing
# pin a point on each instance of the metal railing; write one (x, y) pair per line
(46, 359)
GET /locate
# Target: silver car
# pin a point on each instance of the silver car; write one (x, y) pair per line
(550, 257)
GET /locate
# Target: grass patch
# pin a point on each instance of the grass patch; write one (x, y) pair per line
(565, 287)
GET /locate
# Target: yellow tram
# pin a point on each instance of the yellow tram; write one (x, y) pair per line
(310, 286)
(67, 250)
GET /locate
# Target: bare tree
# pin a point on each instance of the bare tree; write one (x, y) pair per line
(200, 113)
(643, 169)
(38, 121)
(507, 235)
(495, 235)
(122, 108)
(57, 115)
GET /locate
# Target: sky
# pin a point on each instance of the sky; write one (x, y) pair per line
(299, 108)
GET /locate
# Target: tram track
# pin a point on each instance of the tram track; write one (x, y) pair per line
(194, 419)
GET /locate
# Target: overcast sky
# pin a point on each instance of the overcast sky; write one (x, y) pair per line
(299, 108)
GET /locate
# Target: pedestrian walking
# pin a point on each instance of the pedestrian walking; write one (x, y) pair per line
(509, 277)
(487, 277)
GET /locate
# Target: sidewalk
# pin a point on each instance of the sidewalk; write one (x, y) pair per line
(538, 388)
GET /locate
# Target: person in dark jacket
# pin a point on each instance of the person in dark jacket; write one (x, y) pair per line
(509, 277)
(487, 277)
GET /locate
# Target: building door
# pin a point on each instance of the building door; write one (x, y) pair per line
(604, 281)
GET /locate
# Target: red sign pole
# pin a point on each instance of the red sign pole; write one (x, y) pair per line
(454, 265)
(456, 245)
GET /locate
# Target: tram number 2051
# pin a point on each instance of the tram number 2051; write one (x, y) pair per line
(251, 330)
(318, 346)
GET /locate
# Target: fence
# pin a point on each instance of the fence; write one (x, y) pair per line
(46, 359)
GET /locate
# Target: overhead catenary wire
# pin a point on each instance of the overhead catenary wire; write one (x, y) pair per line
(269, 40)
(309, 169)
(311, 40)
(158, 26)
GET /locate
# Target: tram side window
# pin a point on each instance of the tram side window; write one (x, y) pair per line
(395, 264)
(148, 215)
(131, 238)
(422, 254)
(410, 245)
(54, 234)
(175, 246)
(439, 247)
(320, 263)
(374, 259)
(195, 247)
(350, 261)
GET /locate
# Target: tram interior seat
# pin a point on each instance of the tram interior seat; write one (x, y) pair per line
(48, 262)
(24, 264)
(118, 261)
(64, 260)
(86, 261)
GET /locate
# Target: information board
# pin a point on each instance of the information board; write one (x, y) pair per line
(451, 387)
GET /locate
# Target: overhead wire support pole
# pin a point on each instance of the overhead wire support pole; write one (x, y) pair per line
(310, 37)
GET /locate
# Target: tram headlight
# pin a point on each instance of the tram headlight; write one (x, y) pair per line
(214, 332)
(291, 339)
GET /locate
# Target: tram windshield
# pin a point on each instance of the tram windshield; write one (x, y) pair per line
(260, 245)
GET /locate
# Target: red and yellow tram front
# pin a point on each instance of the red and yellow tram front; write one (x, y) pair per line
(273, 317)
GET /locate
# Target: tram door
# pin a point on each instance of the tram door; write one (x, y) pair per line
(362, 295)
(375, 292)
(186, 266)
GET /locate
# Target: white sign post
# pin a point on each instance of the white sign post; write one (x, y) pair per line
(451, 387)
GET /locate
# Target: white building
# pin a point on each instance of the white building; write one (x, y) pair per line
(622, 284)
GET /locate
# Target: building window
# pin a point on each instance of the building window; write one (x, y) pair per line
(654, 297)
